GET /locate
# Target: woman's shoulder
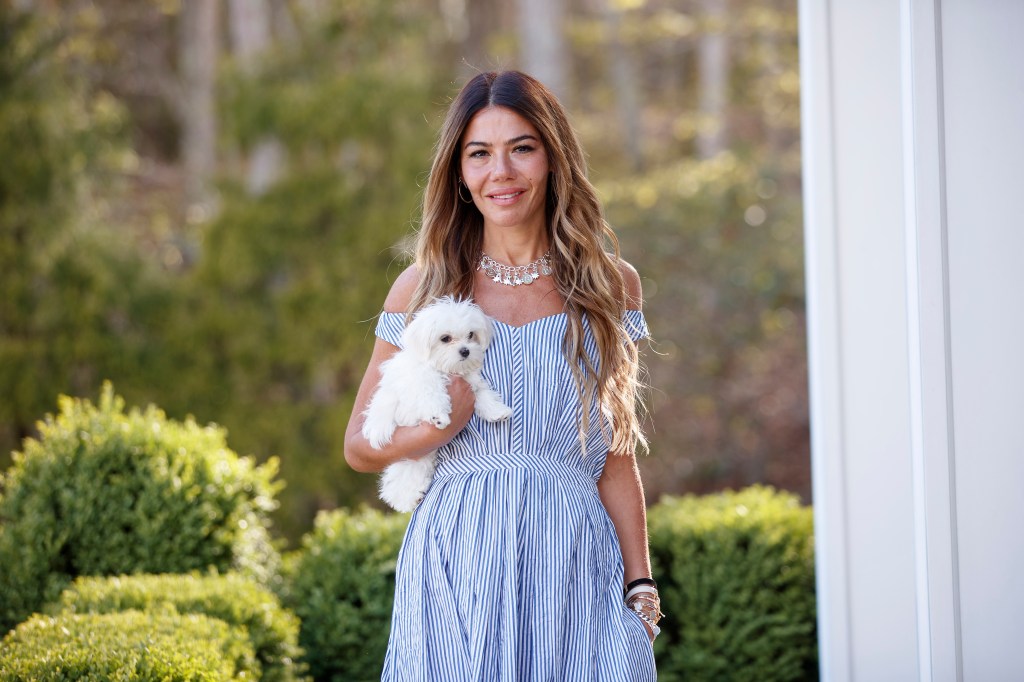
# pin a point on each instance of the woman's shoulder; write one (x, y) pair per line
(631, 282)
(402, 290)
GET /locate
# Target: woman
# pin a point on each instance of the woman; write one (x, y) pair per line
(515, 563)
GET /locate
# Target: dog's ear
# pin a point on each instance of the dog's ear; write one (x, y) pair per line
(486, 327)
(418, 335)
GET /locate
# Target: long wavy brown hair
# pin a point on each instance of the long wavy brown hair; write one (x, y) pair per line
(584, 250)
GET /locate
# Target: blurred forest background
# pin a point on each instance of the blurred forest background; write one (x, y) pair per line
(205, 201)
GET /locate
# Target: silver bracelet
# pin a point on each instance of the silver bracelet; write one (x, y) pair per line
(654, 628)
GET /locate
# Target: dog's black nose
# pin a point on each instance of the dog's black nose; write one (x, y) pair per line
(464, 352)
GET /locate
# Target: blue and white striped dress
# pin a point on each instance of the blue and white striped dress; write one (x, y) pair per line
(511, 569)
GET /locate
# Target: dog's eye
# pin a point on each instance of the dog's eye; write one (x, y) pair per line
(446, 339)
(472, 335)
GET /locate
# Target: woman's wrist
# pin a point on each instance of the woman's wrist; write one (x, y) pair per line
(643, 599)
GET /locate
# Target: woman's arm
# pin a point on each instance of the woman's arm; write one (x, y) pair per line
(620, 486)
(622, 493)
(408, 442)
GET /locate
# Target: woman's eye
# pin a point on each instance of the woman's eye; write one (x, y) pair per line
(478, 154)
(523, 148)
(446, 339)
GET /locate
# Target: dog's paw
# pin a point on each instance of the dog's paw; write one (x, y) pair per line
(490, 407)
(441, 421)
(498, 412)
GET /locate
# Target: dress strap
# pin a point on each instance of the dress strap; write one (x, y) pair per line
(636, 324)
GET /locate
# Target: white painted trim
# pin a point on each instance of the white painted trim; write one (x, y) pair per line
(929, 361)
(911, 227)
(824, 342)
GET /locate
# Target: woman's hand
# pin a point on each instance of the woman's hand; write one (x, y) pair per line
(463, 400)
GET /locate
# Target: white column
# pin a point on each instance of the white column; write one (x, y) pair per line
(913, 153)
(983, 104)
(857, 320)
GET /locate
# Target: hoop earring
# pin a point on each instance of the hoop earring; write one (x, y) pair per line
(458, 188)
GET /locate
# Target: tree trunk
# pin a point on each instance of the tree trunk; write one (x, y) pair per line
(250, 29)
(284, 21)
(627, 88)
(469, 24)
(542, 50)
(772, 67)
(713, 79)
(198, 45)
(250, 37)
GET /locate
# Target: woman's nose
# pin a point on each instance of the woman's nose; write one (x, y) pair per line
(502, 166)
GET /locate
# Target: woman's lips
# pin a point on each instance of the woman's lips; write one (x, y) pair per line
(506, 197)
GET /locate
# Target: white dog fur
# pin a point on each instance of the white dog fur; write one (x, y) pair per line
(447, 337)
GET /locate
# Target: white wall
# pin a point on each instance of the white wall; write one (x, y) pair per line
(913, 138)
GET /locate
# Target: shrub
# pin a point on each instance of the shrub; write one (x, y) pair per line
(342, 587)
(105, 492)
(234, 599)
(140, 647)
(736, 572)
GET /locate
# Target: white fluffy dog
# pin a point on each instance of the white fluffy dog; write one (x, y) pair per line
(446, 337)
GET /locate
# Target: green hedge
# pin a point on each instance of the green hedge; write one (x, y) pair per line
(129, 646)
(234, 599)
(108, 492)
(736, 572)
(342, 585)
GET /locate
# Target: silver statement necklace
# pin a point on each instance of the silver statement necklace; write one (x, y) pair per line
(514, 275)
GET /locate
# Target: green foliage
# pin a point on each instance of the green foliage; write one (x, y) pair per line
(129, 646)
(106, 492)
(341, 585)
(77, 303)
(300, 270)
(736, 572)
(714, 230)
(260, 318)
(267, 326)
(718, 243)
(234, 599)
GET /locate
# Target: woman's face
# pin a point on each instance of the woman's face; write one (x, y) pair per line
(505, 166)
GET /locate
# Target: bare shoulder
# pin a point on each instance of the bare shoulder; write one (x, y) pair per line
(402, 290)
(634, 290)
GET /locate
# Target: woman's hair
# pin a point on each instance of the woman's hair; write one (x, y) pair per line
(586, 275)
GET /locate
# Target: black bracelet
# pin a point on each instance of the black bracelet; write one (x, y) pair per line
(641, 581)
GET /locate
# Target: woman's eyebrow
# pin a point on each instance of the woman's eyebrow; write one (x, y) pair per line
(508, 143)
